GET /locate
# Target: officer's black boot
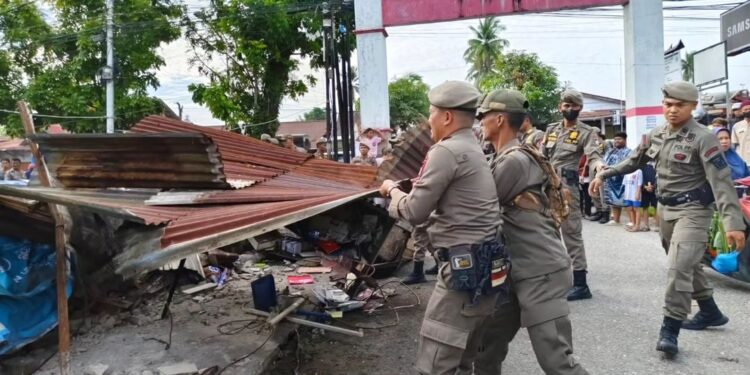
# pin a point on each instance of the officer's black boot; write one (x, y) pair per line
(667, 343)
(434, 269)
(708, 316)
(416, 276)
(580, 289)
(605, 217)
(595, 217)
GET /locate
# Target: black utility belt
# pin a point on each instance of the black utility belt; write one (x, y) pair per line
(704, 195)
(480, 269)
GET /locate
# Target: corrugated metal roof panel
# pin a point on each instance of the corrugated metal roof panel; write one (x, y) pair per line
(408, 155)
(245, 158)
(133, 160)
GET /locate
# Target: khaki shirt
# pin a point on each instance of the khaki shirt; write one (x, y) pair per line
(533, 137)
(741, 137)
(455, 190)
(319, 155)
(533, 240)
(564, 147)
(685, 160)
(369, 160)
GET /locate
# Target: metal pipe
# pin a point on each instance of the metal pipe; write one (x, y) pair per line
(273, 320)
(309, 323)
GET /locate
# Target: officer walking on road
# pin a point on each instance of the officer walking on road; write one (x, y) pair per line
(456, 190)
(541, 273)
(564, 144)
(692, 174)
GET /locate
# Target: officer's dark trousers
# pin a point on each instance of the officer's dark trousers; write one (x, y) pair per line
(539, 304)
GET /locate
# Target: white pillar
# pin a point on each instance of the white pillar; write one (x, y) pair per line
(644, 67)
(372, 64)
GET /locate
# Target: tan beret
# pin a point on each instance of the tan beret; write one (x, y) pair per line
(455, 95)
(572, 96)
(504, 100)
(680, 90)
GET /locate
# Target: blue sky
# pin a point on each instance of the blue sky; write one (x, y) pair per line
(585, 48)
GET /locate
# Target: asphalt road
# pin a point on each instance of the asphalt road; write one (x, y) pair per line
(614, 333)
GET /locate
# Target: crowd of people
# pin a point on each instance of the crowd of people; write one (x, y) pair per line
(507, 236)
(12, 170)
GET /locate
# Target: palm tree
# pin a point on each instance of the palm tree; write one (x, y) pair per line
(688, 68)
(484, 49)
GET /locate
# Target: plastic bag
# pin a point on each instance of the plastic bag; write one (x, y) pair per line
(727, 263)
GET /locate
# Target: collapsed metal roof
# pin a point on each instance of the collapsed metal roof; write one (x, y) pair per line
(171, 222)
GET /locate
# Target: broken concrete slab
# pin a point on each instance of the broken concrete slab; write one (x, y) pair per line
(97, 369)
(184, 368)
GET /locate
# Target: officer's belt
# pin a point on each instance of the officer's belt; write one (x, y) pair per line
(702, 194)
(443, 253)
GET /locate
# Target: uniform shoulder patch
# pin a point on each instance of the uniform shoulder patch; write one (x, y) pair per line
(718, 162)
(710, 152)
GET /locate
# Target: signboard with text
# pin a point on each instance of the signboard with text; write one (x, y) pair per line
(735, 29)
(673, 67)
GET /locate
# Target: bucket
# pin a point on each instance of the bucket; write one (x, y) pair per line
(264, 293)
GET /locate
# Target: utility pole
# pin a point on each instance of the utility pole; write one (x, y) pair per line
(179, 109)
(110, 66)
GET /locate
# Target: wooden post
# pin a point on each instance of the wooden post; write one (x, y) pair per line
(63, 323)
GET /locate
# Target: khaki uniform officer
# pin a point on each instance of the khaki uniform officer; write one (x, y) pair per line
(541, 271)
(692, 173)
(422, 246)
(321, 149)
(530, 135)
(564, 144)
(457, 193)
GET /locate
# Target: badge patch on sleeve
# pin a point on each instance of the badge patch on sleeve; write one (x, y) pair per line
(711, 151)
(719, 162)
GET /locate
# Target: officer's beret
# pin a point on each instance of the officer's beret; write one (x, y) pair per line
(572, 96)
(455, 95)
(364, 145)
(504, 100)
(680, 90)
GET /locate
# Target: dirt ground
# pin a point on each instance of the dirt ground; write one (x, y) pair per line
(383, 351)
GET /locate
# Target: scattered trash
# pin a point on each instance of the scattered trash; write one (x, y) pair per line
(199, 288)
(300, 279)
(218, 275)
(314, 270)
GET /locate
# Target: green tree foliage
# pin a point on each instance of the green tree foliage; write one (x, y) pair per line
(408, 101)
(525, 72)
(66, 56)
(249, 50)
(484, 49)
(688, 68)
(315, 114)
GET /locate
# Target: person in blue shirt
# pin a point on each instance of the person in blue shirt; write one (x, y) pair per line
(738, 166)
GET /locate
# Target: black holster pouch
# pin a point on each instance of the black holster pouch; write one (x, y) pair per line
(570, 176)
(480, 269)
(703, 194)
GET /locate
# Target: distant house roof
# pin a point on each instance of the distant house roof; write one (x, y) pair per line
(313, 129)
(603, 98)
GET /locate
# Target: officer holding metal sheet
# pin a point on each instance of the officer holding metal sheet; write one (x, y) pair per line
(456, 191)
(694, 178)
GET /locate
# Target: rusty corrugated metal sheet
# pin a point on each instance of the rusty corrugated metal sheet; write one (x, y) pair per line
(244, 158)
(133, 160)
(408, 155)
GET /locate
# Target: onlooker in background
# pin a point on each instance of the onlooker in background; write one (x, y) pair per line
(736, 113)
(648, 196)
(737, 164)
(613, 187)
(718, 122)
(6, 167)
(632, 183)
(529, 134)
(372, 139)
(364, 157)
(584, 179)
(600, 204)
(15, 173)
(741, 133)
(289, 143)
(387, 155)
(322, 149)
(268, 139)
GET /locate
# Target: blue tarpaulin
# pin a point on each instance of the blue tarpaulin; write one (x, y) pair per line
(28, 300)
